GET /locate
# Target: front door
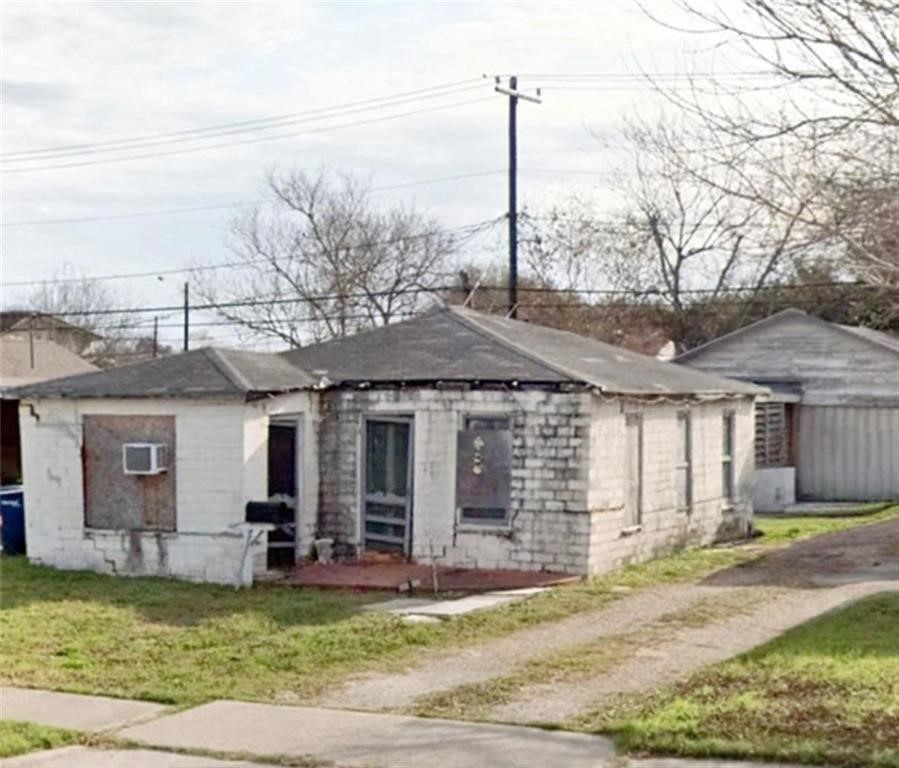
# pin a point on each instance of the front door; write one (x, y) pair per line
(387, 491)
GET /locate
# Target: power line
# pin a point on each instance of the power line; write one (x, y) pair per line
(274, 137)
(633, 293)
(256, 201)
(256, 121)
(233, 131)
(473, 227)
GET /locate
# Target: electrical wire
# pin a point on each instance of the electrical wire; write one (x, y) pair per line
(256, 121)
(274, 137)
(233, 131)
(462, 228)
(631, 293)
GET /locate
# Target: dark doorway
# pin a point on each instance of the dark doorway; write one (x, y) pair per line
(387, 515)
(282, 487)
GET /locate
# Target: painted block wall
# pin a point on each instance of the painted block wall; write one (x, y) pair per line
(664, 527)
(210, 492)
(550, 524)
(304, 407)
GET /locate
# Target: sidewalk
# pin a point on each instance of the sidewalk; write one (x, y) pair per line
(337, 738)
(343, 738)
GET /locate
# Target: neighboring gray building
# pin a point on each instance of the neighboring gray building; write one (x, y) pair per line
(830, 429)
(458, 437)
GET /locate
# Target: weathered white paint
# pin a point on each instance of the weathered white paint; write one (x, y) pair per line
(664, 527)
(775, 489)
(221, 464)
(848, 454)
(568, 480)
(568, 477)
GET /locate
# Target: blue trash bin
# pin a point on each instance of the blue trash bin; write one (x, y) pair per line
(12, 520)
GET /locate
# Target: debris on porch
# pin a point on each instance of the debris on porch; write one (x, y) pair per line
(409, 577)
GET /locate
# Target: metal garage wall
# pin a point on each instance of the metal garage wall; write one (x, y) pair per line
(848, 453)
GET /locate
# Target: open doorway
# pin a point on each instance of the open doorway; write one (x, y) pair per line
(283, 488)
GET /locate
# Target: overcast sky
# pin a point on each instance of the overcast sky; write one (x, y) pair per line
(76, 74)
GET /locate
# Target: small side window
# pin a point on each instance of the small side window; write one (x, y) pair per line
(727, 455)
(684, 466)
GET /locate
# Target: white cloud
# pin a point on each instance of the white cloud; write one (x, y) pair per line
(102, 71)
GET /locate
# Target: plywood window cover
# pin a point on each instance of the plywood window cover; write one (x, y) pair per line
(114, 500)
(491, 516)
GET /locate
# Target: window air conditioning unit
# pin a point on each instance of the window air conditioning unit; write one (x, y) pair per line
(144, 458)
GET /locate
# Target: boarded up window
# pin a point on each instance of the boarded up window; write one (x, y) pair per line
(773, 431)
(484, 471)
(115, 500)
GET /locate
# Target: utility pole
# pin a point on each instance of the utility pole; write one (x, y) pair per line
(514, 95)
(31, 339)
(186, 318)
(155, 335)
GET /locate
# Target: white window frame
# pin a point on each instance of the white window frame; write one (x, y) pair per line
(728, 448)
(684, 462)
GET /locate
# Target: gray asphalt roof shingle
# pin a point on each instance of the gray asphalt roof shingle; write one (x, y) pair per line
(456, 344)
(451, 344)
(208, 372)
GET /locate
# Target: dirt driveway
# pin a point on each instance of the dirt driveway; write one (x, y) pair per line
(653, 637)
(866, 553)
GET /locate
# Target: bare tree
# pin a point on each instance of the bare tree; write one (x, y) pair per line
(825, 127)
(84, 315)
(322, 261)
(570, 247)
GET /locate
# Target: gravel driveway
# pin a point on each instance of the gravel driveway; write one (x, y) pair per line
(781, 590)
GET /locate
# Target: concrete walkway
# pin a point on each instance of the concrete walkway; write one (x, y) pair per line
(357, 740)
(73, 711)
(91, 757)
(343, 738)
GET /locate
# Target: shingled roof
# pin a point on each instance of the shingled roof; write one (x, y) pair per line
(207, 372)
(455, 344)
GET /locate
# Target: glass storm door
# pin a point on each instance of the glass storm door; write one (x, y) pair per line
(387, 516)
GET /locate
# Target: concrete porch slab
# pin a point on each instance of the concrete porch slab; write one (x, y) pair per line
(90, 757)
(72, 710)
(447, 609)
(356, 739)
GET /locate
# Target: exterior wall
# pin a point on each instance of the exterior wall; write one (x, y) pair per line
(775, 489)
(848, 454)
(549, 528)
(218, 469)
(304, 406)
(613, 541)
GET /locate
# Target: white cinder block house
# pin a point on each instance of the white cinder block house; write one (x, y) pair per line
(461, 437)
(829, 429)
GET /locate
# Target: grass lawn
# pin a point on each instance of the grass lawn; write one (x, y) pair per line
(825, 692)
(17, 738)
(181, 643)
